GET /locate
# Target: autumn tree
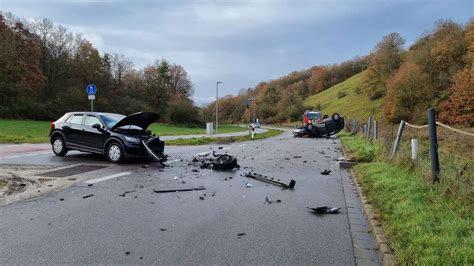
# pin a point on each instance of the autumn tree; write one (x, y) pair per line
(385, 59)
(408, 93)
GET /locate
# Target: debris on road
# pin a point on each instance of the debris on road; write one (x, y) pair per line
(324, 210)
(126, 192)
(178, 189)
(220, 162)
(269, 200)
(162, 229)
(90, 185)
(201, 197)
(248, 185)
(239, 235)
(262, 178)
(87, 196)
(326, 172)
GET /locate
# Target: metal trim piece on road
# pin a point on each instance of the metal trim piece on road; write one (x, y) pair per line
(97, 180)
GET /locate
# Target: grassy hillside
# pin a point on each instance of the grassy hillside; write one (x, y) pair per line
(355, 103)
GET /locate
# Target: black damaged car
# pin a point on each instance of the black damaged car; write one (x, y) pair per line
(114, 135)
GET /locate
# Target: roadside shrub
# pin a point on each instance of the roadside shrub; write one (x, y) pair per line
(341, 94)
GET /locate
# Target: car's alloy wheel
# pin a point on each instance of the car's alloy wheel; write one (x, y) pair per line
(59, 148)
(114, 152)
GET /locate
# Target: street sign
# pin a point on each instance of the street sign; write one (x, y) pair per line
(91, 97)
(91, 89)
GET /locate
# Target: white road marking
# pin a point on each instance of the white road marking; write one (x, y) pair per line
(97, 180)
(242, 145)
(226, 148)
(24, 155)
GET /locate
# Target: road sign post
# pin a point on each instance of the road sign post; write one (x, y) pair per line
(91, 90)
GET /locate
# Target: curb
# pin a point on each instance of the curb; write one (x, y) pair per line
(381, 242)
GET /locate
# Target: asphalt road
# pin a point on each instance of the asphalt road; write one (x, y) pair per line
(231, 224)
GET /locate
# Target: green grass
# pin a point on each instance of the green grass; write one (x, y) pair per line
(202, 141)
(426, 223)
(28, 131)
(23, 131)
(353, 105)
(173, 130)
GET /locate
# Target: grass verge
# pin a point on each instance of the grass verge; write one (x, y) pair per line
(425, 223)
(29, 131)
(202, 141)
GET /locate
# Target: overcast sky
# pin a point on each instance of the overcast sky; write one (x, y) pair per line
(241, 42)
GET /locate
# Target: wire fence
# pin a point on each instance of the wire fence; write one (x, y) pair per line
(419, 141)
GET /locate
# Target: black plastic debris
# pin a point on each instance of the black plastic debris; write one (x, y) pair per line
(326, 172)
(87, 196)
(126, 192)
(296, 156)
(324, 210)
(220, 162)
(90, 185)
(162, 229)
(269, 200)
(201, 197)
(266, 179)
(178, 189)
(127, 253)
(239, 235)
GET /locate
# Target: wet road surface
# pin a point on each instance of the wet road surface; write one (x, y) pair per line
(228, 223)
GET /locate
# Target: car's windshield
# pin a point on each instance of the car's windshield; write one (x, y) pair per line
(111, 119)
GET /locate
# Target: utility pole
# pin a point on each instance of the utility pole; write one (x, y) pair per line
(217, 105)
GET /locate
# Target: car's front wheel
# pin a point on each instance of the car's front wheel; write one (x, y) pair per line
(59, 146)
(114, 152)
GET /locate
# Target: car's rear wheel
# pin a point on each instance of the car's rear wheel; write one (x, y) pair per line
(114, 152)
(309, 127)
(336, 117)
(59, 146)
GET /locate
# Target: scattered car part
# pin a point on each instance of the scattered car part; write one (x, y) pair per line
(262, 178)
(178, 189)
(221, 162)
(87, 196)
(324, 210)
(326, 172)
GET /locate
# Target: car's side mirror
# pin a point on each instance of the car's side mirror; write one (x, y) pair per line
(98, 127)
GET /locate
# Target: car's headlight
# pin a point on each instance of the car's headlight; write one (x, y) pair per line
(132, 139)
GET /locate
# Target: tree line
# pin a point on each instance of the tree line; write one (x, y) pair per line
(44, 70)
(436, 71)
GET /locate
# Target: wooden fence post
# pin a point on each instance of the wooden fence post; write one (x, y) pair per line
(369, 126)
(399, 136)
(376, 130)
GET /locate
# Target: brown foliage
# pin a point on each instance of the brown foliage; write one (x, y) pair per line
(408, 91)
(459, 107)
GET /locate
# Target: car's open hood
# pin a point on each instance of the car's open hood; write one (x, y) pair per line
(141, 119)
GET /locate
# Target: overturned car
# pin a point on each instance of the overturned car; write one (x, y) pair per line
(327, 127)
(114, 135)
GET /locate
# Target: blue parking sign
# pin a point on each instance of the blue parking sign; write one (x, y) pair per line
(91, 89)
